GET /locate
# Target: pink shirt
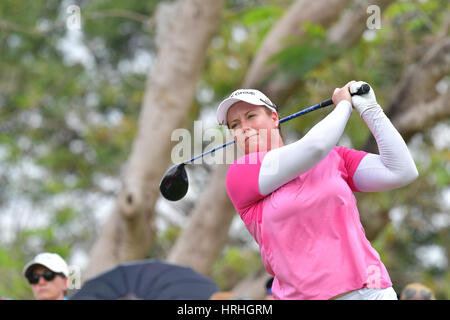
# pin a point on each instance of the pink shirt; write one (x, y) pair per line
(309, 232)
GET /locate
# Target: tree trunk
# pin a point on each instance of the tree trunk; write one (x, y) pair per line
(202, 240)
(170, 89)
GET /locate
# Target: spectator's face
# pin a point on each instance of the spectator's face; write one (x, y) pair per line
(49, 290)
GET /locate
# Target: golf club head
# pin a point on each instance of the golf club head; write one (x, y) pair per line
(174, 184)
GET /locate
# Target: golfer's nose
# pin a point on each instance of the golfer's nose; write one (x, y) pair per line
(245, 126)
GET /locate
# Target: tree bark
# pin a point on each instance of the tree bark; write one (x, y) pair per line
(170, 88)
(423, 116)
(419, 82)
(315, 12)
(202, 240)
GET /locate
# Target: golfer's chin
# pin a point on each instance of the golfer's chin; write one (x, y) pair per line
(254, 147)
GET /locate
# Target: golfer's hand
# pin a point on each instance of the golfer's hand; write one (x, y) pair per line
(343, 93)
(365, 101)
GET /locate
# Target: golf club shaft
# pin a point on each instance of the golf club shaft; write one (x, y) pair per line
(292, 116)
(362, 90)
(307, 110)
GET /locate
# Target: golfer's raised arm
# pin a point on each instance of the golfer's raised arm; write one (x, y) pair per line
(283, 164)
(393, 167)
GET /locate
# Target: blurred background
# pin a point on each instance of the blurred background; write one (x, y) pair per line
(91, 91)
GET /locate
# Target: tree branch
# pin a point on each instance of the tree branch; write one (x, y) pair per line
(342, 34)
(10, 26)
(352, 23)
(417, 87)
(316, 12)
(422, 116)
(119, 13)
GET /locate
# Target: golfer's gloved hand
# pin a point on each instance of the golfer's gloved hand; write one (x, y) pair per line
(363, 102)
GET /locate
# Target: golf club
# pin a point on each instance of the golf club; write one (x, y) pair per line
(174, 184)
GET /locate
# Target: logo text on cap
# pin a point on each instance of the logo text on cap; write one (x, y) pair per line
(241, 92)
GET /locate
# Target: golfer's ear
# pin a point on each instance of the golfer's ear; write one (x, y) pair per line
(275, 117)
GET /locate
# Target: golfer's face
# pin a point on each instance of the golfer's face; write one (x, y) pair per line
(253, 129)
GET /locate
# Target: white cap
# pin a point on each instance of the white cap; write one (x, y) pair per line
(251, 96)
(52, 261)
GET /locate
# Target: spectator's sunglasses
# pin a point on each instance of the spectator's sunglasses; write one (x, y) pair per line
(423, 294)
(47, 275)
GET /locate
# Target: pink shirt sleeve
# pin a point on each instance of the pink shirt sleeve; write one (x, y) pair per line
(351, 159)
(242, 181)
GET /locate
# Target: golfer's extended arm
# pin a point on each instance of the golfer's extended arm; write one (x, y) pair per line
(394, 166)
(283, 164)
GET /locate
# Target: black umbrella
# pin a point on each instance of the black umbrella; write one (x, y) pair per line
(147, 280)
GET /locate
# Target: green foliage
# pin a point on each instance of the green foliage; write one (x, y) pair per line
(304, 54)
(233, 265)
(71, 121)
(12, 283)
(164, 241)
(260, 20)
(299, 60)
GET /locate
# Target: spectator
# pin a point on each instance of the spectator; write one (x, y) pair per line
(417, 291)
(48, 275)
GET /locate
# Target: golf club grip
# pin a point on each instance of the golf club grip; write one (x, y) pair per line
(362, 90)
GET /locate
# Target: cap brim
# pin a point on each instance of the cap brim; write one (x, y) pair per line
(223, 109)
(226, 104)
(27, 268)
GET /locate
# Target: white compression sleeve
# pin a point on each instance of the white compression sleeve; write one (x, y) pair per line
(394, 167)
(283, 164)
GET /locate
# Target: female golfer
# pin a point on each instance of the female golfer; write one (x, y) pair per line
(297, 200)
